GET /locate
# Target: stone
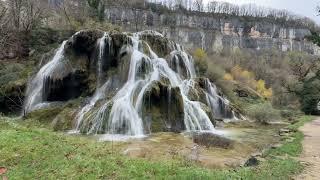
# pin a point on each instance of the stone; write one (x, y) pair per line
(85, 41)
(284, 132)
(252, 161)
(163, 111)
(212, 140)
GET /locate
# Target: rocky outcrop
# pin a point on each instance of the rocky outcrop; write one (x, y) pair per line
(215, 33)
(163, 108)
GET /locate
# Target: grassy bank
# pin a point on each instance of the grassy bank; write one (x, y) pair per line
(36, 153)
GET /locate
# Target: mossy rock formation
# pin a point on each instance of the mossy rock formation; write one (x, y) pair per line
(163, 108)
(158, 44)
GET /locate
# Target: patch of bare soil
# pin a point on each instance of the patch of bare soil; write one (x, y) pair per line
(311, 151)
(169, 146)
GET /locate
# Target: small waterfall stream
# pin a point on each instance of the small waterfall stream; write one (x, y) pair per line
(36, 89)
(122, 115)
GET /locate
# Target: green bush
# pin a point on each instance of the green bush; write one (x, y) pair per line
(263, 113)
(310, 95)
(290, 114)
(215, 72)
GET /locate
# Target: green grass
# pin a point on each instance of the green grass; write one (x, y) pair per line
(293, 148)
(33, 153)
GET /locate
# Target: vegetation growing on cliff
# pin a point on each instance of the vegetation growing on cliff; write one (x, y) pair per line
(284, 79)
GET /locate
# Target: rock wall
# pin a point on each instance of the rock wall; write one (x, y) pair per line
(214, 33)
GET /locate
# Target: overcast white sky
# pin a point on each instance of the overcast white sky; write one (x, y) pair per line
(300, 7)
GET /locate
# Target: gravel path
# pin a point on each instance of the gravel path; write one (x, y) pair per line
(311, 150)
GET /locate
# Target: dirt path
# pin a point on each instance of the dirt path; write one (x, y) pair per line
(311, 150)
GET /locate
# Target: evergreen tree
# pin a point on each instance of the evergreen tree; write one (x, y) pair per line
(310, 95)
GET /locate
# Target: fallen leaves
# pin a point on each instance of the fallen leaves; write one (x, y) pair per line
(3, 170)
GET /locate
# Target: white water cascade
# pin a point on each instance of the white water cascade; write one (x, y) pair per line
(122, 115)
(57, 67)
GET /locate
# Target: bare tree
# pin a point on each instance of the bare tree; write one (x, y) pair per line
(25, 14)
(198, 5)
(250, 10)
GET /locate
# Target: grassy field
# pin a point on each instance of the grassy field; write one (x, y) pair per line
(30, 152)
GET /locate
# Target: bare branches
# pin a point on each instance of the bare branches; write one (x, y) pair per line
(247, 10)
(17, 19)
(198, 5)
(24, 14)
(3, 11)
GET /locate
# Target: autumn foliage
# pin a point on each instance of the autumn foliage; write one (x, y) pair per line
(246, 77)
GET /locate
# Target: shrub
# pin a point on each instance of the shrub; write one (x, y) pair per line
(290, 114)
(263, 113)
(201, 66)
(214, 72)
(92, 24)
(200, 60)
(248, 78)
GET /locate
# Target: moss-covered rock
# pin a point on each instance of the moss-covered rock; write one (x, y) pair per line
(84, 42)
(13, 81)
(163, 108)
(45, 115)
(64, 120)
(89, 124)
(158, 44)
(198, 92)
(211, 140)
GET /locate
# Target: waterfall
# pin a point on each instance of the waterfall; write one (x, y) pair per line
(56, 68)
(122, 115)
(125, 115)
(217, 103)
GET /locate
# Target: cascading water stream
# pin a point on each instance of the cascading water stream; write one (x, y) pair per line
(122, 115)
(102, 45)
(56, 68)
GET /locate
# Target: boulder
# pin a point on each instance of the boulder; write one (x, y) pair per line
(158, 44)
(252, 161)
(212, 140)
(84, 42)
(163, 108)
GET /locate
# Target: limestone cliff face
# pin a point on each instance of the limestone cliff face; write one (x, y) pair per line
(215, 33)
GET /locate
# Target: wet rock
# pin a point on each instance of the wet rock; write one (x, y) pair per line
(88, 125)
(158, 44)
(47, 114)
(70, 87)
(163, 108)
(85, 41)
(212, 140)
(252, 161)
(284, 132)
(64, 120)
